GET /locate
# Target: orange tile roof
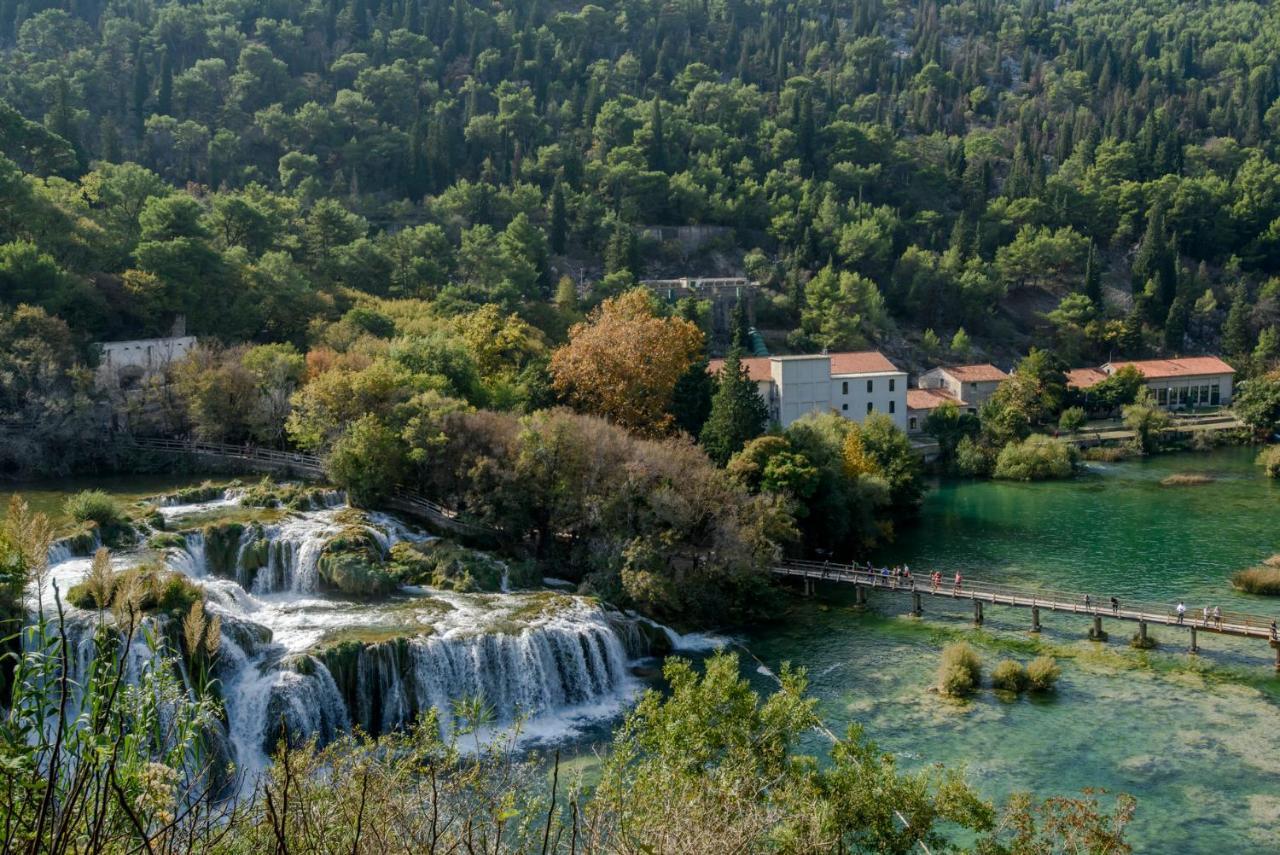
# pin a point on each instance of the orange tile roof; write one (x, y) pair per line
(860, 362)
(1191, 366)
(928, 399)
(981, 373)
(1084, 378)
(850, 362)
(757, 367)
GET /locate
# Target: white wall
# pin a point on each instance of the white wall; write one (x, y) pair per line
(803, 386)
(1173, 386)
(850, 397)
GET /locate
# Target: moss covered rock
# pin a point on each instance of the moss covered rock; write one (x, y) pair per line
(352, 563)
(447, 565)
(203, 492)
(295, 497)
(167, 540)
(222, 547)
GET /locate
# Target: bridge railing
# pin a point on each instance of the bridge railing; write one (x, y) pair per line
(223, 449)
(1074, 601)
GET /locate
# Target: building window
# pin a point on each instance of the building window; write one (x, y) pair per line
(870, 386)
(891, 403)
(912, 422)
(844, 407)
(870, 407)
(891, 380)
(1215, 395)
(844, 388)
(973, 387)
(1162, 397)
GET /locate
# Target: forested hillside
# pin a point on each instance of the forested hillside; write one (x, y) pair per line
(1096, 176)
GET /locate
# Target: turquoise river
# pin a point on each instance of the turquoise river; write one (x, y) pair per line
(1196, 739)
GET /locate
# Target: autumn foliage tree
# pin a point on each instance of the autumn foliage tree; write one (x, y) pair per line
(623, 362)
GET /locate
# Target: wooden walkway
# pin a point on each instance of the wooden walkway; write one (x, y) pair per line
(1096, 608)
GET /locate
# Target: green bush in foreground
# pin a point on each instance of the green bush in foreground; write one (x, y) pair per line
(1009, 675)
(1269, 460)
(1042, 673)
(94, 506)
(1036, 458)
(1263, 579)
(961, 670)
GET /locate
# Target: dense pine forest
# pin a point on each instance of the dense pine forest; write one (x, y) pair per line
(1099, 177)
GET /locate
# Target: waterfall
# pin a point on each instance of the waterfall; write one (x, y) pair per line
(563, 664)
(190, 560)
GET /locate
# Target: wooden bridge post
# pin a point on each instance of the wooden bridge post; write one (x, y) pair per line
(977, 612)
(1097, 634)
(916, 608)
(808, 587)
(859, 595)
(1194, 648)
(1142, 633)
(1035, 618)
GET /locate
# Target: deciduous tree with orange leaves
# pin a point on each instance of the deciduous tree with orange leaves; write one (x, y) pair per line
(623, 362)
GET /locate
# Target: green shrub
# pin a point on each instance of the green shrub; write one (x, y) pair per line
(167, 540)
(1009, 675)
(94, 506)
(1036, 458)
(352, 563)
(961, 670)
(1107, 453)
(1262, 579)
(1042, 673)
(973, 459)
(1186, 479)
(1072, 419)
(268, 494)
(1269, 460)
(155, 587)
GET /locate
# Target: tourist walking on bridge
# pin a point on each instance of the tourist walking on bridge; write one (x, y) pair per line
(1182, 611)
(1115, 606)
(956, 589)
(1217, 616)
(936, 578)
(1208, 612)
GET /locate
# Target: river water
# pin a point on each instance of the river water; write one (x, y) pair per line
(1196, 739)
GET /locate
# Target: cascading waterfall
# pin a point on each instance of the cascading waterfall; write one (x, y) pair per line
(524, 655)
(566, 663)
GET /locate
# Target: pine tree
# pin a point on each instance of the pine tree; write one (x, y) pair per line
(960, 344)
(738, 413)
(1131, 340)
(623, 250)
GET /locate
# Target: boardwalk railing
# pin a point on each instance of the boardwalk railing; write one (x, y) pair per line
(1231, 623)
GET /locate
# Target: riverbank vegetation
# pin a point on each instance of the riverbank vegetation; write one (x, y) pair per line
(1261, 579)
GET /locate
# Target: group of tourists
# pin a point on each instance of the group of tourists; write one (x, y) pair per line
(900, 576)
(1210, 615)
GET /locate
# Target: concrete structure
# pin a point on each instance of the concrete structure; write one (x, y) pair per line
(124, 364)
(722, 293)
(1177, 384)
(969, 385)
(853, 384)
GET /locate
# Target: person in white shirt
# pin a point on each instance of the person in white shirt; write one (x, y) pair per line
(1182, 610)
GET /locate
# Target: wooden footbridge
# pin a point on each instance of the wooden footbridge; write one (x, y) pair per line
(1096, 608)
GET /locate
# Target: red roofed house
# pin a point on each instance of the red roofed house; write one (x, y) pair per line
(922, 402)
(853, 384)
(969, 385)
(1193, 381)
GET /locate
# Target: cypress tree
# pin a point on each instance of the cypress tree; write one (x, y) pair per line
(740, 328)
(1236, 338)
(1175, 326)
(657, 142)
(164, 96)
(559, 220)
(691, 397)
(1093, 278)
(738, 413)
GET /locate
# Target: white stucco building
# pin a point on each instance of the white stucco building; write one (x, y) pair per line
(126, 363)
(1193, 381)
(853, 384)
(969, 385)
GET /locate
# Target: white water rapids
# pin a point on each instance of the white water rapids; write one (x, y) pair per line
(552, 660)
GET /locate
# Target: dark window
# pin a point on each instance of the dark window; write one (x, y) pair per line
(913, 422)
(844, 388)
(870, 407)
(891, 379)
(891, 403)
(844, 407)
(870, 386)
